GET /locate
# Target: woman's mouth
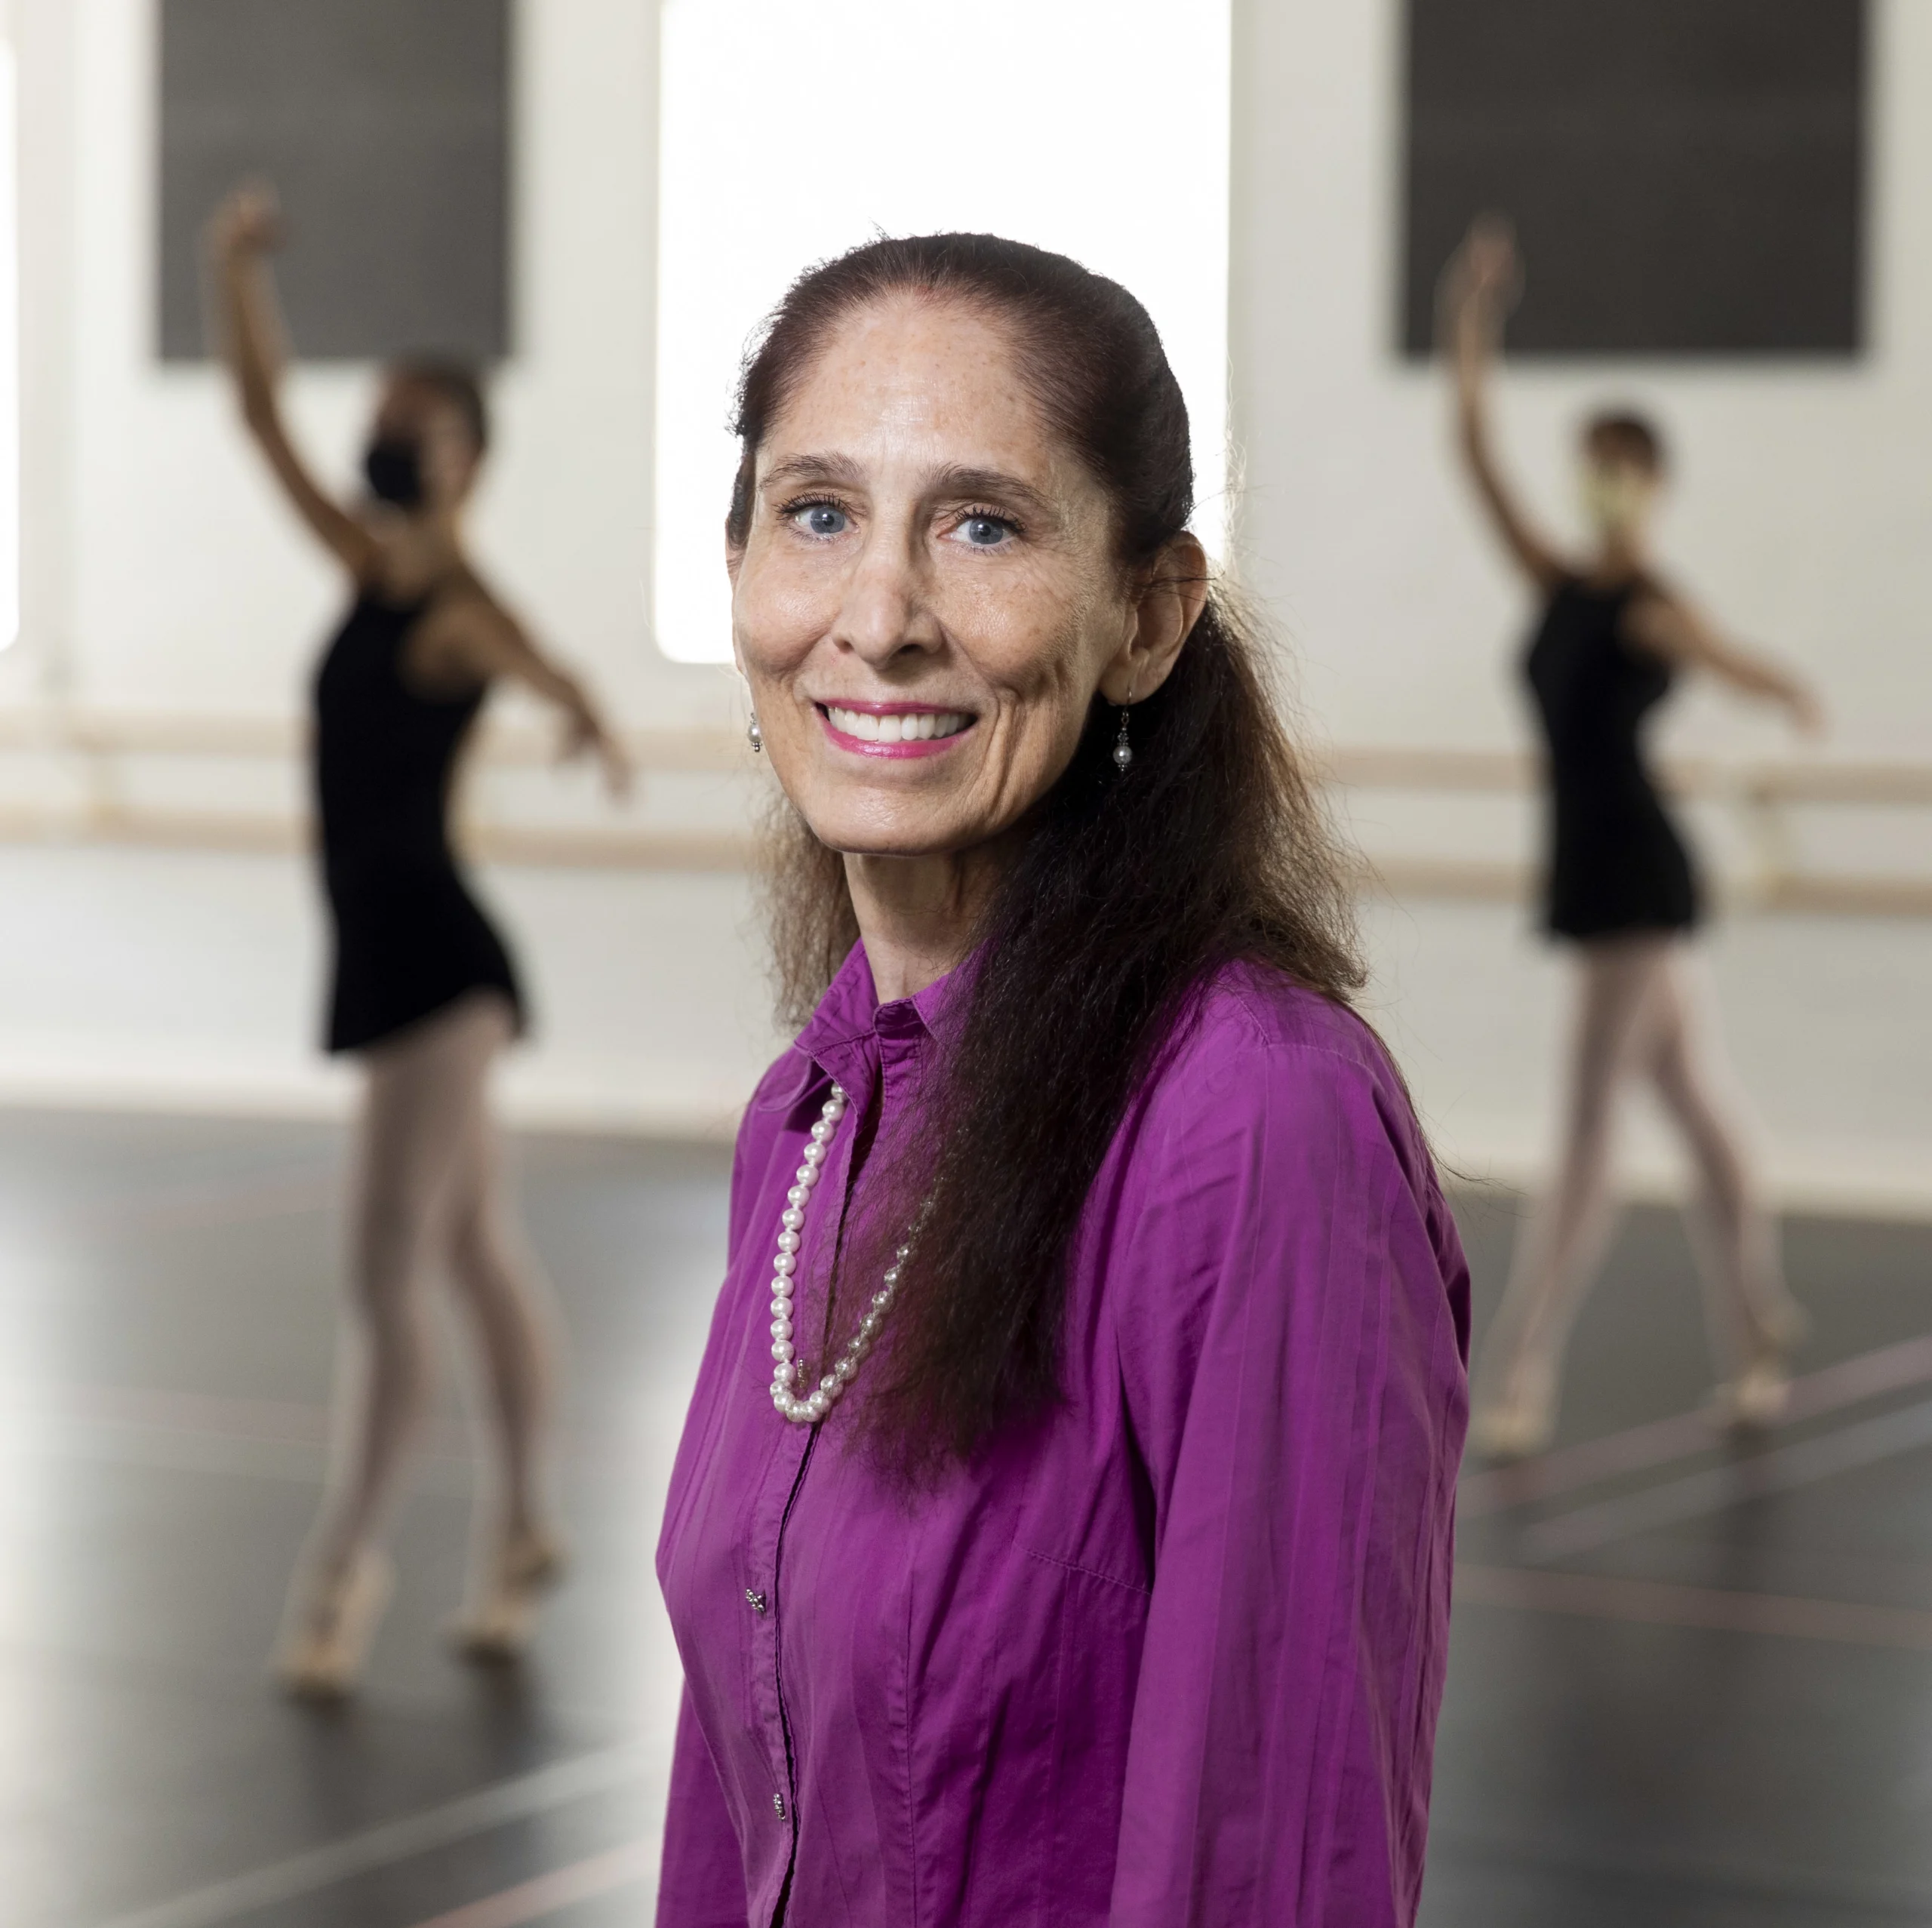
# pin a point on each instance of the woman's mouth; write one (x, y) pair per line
(896, 732)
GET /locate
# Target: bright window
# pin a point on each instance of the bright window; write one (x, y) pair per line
(791, 133)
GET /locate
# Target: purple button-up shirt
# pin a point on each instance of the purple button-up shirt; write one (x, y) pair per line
(1171, 1655)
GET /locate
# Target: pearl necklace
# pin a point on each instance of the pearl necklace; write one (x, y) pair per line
(809, 1410)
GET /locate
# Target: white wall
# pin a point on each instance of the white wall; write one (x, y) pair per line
(192, 588)
(163, 573)
(1802, 516)
(1803, 497)
(160, 572)
(193, 980)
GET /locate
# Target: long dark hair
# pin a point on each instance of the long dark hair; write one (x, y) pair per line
(1127, 893)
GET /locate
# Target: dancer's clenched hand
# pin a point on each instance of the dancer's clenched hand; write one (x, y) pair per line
(248, 222)
(585, 735)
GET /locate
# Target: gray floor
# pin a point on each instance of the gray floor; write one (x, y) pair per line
(1691, 1684)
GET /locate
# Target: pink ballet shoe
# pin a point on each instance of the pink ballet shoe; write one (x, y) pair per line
(323, 1658)
(1757, 1397)
(498, 1628)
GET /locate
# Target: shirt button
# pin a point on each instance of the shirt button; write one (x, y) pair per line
(778, 1806)
(755, 1600)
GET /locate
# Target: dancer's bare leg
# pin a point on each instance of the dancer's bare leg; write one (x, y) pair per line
(1557, 1253)
(498, 1285)
(423, 1089)
(1753, 1320)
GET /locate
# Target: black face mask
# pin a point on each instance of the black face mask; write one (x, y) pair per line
(394, 468)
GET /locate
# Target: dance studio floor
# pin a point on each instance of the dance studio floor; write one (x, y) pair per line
(1691, 1685)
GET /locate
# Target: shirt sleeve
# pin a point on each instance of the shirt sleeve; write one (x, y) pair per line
(702, 1882)
(1292, 1322)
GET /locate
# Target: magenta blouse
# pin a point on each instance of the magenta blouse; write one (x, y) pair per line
(1172, 1656)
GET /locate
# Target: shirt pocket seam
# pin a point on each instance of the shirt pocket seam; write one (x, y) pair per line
(1092, 1573)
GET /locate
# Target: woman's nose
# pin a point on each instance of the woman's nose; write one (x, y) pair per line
(886, 607)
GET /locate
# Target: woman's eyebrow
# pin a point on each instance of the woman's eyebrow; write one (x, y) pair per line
(807, 469)
(950, 483)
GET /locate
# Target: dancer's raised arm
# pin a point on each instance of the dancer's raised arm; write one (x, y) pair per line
(1479, 287)
(245, 229)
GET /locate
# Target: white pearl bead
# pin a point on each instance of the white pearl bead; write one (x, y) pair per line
(785, 1375)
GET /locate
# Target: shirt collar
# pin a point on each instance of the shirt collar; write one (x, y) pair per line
(851, 1011)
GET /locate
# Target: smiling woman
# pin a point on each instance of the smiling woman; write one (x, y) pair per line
(1097, 1570)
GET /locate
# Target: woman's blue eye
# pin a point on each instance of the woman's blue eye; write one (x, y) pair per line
(822, 518)
(983, 531)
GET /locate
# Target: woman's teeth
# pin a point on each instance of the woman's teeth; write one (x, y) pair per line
(912, 726)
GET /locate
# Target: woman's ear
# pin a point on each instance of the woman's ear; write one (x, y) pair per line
(1173, 591)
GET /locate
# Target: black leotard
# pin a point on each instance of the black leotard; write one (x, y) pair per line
(1615, 862)
(409, 939)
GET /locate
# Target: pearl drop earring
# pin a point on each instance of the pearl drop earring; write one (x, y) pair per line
(1123, 749)
(755, 737)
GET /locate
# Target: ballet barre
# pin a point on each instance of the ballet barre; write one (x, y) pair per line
(64, 777)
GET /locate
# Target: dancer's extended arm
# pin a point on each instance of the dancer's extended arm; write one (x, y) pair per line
(1478, 286)
(470, 636)
(243, 231)
(1665, 624)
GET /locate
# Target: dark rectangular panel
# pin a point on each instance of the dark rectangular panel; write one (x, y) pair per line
(384, 126)
(1686, 177)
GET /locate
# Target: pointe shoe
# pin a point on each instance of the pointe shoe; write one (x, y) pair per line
(322, 1659)
(498, 1628)
(1757, 1397)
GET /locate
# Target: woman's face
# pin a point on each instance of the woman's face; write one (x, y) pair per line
(928, 596)
(412, 413)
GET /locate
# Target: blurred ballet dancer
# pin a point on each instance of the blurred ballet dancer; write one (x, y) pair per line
(1611, 640)
(424, 992)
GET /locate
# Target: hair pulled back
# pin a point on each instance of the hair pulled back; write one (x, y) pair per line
(452, 380)
(1624, 435)
(1128, 892)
